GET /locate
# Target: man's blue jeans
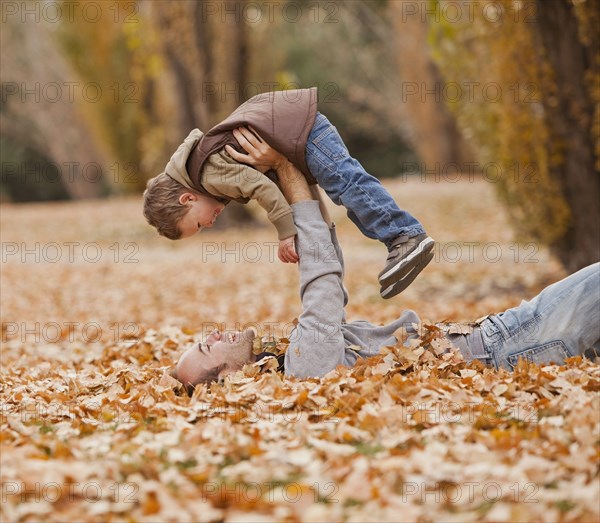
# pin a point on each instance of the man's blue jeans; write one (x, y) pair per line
(560, 322)
(369, 205)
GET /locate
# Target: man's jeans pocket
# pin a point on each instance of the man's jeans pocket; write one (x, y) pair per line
(555, 351)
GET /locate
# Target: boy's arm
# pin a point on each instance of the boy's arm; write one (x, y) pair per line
(223, 176)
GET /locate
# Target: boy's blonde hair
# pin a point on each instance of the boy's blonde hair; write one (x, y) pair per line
(161, 205)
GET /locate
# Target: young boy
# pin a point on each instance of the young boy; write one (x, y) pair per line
(206, 173)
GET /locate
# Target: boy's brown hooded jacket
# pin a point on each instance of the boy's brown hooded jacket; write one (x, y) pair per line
(284, 119)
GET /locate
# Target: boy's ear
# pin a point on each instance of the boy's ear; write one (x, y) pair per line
(186, 197)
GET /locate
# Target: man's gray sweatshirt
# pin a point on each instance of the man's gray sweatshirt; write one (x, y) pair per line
(322, 339)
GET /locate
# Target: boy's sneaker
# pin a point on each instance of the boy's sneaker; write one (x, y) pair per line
(396, 288)
(407, 258)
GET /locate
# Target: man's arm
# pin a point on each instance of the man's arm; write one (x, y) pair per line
(263, 157)
(293, 184)
(317, 344)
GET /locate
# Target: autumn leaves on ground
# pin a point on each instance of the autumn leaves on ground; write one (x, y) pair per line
(96, 308)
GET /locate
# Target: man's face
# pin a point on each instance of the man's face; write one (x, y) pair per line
(202, 212)
(219, 355)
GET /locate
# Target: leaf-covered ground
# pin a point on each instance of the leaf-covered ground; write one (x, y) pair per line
(93, 428)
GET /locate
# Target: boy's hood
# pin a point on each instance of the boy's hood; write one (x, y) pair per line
(176, 166)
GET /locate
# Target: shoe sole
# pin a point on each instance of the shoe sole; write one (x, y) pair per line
(399, 286)
(405, 265)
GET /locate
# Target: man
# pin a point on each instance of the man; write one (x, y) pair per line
(562, 321)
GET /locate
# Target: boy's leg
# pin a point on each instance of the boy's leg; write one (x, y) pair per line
(560, 322)
(347, 183)
(369, 205)
(356, 221)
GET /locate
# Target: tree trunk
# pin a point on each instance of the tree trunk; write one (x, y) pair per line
(48, 131)
(215, 59)
(570, 117)
(178, 26)
(240, 38)
(426, 109)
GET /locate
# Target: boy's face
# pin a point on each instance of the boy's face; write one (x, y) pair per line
(202, 212)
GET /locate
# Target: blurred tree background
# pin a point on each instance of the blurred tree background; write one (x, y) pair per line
(97, 95)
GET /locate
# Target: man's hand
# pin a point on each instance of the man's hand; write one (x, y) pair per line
(260, 154)
(287, 250)
(263, 157)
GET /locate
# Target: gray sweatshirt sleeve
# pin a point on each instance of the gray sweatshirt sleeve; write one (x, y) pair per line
(317, 343)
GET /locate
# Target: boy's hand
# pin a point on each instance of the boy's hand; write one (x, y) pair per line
(260, 154)
(287, 250)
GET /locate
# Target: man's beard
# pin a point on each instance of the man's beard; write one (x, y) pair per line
(239, 352)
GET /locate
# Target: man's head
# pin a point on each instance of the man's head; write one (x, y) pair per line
(176, 211)
(219, 355)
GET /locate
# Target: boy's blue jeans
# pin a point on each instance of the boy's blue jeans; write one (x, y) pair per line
(560, 322)
(369, 205)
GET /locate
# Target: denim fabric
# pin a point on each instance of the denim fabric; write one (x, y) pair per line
(560, 322)
(369, 205)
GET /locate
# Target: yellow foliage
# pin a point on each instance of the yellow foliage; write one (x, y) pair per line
(505, 120)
